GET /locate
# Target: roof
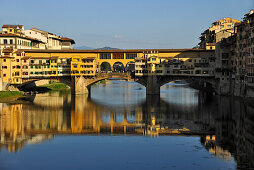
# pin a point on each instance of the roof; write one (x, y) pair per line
(38, 57)
(114, 51)
(65, 39)
(210, 44)
(251, 13)
(41, 31)
(227, 18)
(13, 26)
(8, 50)
(6, 56)
(15, 35)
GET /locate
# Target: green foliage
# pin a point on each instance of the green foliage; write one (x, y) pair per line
(56, 86)
(101, 82)
(4, 94)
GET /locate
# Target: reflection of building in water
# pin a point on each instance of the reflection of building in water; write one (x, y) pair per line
(78, 114)
(13, 129)
(209, 142)
(234, 128)
(226, 126)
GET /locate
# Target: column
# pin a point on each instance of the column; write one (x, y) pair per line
(78, 85)
(152, 85)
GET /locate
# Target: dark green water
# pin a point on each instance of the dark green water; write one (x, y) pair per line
(118, 127)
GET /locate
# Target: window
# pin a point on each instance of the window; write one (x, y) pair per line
(11, 41)
(131, 55)
(4, 60)
(105, 55)
(4, 75)
(31, 66)
(118, 56)
(10, 30)
(5, 41)
(17, 60)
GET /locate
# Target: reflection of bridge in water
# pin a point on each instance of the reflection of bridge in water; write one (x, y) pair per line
(45, 115)
(79, 114)
(225, 126)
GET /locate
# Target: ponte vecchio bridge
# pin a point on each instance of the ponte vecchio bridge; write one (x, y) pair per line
(82, 68)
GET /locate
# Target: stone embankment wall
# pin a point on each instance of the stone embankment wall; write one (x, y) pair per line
(233, 87)
(3, 85)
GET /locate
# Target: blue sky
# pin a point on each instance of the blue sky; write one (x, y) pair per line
(124, 23)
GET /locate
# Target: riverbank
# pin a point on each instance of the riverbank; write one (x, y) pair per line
(100, 82)
(56, 86)
(8, 96)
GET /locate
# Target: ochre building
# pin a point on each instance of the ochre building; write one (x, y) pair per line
(19, 65)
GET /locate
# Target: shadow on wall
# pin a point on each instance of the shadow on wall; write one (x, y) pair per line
(33, 87)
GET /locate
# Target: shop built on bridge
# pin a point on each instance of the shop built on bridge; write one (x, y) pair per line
(82, 68)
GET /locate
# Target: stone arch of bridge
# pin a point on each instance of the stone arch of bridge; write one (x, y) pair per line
(198, 83)
(109, 76)
(33, 83)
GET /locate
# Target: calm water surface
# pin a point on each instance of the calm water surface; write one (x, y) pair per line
(118, 127)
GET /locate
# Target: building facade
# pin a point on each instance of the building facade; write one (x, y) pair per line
(234, 60)
(16, 37)
(220, 29)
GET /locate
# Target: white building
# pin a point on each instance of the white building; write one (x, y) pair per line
(52, 41)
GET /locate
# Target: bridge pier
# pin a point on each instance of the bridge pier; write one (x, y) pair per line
(152, 85)
(78, 85)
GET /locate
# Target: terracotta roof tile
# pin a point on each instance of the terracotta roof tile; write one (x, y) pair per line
(67, 39)
(15, 35)
(113, 51)
(12, 26)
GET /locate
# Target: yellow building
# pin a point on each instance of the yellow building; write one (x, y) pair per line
(220, 29)
(11, 66)
(20, 65)
(187, 63)
(12, 29)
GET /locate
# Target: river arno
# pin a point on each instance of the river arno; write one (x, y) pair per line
(117, 127)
